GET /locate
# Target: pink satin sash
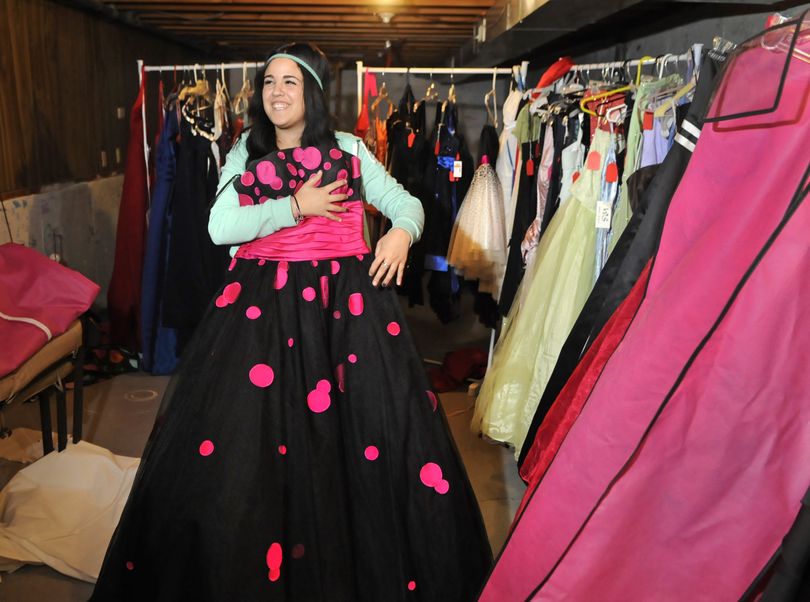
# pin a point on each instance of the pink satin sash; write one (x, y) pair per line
(315, 238)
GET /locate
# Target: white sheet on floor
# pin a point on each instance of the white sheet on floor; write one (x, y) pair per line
(23, 445)
(62, 510)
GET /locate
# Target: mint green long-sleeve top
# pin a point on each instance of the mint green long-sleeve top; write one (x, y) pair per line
(232, 224)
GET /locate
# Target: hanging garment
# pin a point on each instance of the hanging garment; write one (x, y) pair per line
(665, 419)
(159, 344)
(363, 124)
(786, 577)
(446, 193)
(636, 246)
(622, 213)
(529, 134)
(195, 265)
(506, 165)
(477, 249)
(410, 156)
(124, 293)
(301, 454)
(527, 349)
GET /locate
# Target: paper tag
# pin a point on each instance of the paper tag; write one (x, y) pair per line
(604, 211)
(648, 121)
(457, 169)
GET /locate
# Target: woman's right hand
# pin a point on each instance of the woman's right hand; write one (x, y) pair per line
(315, 200)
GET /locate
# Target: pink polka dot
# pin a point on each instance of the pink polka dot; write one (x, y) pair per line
(298, 551)
(245, 200)
(292, 169)
(310, 158)
(393, 329)
(290, 342)
(434, 403)
(262, 261)
(301, 173)
(350, 192)
(360, 257)
(314, 263)
(130, 565)
(263, 199)
(221, 302)
(206, 448)
(335, 154)
(257, 191)
(372, 453)
(281, 155)
(282, 449)
(231, 292)
(273, 559)
(352, 358)
(281, 277)
(324, 385)
(324, 291)
(308, 294)
(274, 574)
(336, 315)
(232, 265)
(293, 184)
(247, 178)
(430, 474)
(442, 487)
(356, 304)
(327, 165)
(253, 312)
(411, 585)
(318, 401)
(335, 267)
(261, 375)
(340, 377)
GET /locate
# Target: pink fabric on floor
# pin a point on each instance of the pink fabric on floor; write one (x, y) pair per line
(733, 194)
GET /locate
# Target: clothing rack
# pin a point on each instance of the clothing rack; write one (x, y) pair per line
(361, 69)
(142, 68)
(633, 63)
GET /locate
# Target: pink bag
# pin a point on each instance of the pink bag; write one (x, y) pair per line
(39, 299)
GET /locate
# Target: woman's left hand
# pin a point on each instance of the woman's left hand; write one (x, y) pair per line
(391, 256)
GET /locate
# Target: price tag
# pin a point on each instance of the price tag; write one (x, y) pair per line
(604, 211)
(457, 169)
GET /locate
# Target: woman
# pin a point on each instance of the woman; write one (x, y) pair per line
(302, 456)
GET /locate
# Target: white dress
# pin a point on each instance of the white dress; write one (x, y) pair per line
(478, 241)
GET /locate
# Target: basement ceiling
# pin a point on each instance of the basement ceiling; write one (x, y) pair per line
(395, 32)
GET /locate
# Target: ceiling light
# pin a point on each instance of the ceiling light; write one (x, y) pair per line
(386, 17)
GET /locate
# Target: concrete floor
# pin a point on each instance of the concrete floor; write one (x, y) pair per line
(119, 415)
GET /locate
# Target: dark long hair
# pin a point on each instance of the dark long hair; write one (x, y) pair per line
(318, 130)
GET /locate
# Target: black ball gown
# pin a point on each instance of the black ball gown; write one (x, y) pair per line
(300, 454)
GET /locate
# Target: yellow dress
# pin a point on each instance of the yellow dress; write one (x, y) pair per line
(551, 297)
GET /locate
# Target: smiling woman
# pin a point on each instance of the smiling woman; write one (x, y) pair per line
(300, 454)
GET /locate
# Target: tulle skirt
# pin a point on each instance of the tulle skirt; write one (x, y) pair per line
(300, 456)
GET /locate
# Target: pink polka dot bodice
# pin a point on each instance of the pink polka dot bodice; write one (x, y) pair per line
(275, 177)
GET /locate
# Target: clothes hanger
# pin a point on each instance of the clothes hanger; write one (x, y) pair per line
(627, 88)
(242, 98)
(382, 95)
(492, 95)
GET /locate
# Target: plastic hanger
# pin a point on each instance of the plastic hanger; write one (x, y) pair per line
(492, 113)
(608, 93)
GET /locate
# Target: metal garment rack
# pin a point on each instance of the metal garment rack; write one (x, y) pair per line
(361, 69)
(142, 68)
(633, 63)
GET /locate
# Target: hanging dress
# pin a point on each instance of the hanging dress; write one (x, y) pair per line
(300, 455)
(563, 276)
